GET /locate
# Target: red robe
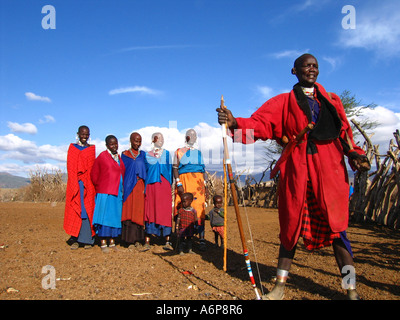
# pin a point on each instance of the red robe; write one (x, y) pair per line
(325, 166)
(106, 173)
(79, 166)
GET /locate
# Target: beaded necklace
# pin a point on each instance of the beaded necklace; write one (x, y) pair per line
(313, 103)
(309, 92)
(157, 152)
(134, 155)
(79, 143)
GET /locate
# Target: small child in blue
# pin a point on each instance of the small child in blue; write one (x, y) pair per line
(216, 217)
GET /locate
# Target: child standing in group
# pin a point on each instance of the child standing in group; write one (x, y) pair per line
(186, 220)
(216, 217)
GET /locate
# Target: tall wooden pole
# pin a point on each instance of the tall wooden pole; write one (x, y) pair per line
(224, 132)
(227, 161)
(225, 217)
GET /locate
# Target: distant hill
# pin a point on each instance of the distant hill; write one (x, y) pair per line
(10, 181)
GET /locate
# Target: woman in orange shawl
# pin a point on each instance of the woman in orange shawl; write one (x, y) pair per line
(189, 173)
(80, 194)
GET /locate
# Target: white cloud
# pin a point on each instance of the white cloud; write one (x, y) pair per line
(25, 170)
(389, 122)
(50, 152)
(333, 62)
(11, 142)
(292, 54)
(28, 152)
(47, 119)
(23, 128)
(140, 89)
(296, 8)
(173, 138)
(309, 5)
(34, 97)
(265, 91)
(377, 28)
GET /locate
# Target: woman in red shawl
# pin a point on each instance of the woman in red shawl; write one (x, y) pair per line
(79, 201)
(313, 188)
(108, 177)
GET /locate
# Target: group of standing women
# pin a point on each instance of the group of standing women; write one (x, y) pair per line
(130, 195)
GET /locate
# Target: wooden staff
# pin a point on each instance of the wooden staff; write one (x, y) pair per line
(227, 161)
(225, 194)
(225, 210)
(289, 148)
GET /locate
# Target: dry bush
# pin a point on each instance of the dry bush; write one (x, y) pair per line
(215, 186)
(46, 186)
(8, 194)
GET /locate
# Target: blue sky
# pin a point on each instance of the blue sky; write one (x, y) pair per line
(123, 65)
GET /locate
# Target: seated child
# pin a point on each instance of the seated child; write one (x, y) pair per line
(186, 220)
(216, 217)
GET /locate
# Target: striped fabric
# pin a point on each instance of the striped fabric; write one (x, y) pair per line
(188, 219)
(315, 229)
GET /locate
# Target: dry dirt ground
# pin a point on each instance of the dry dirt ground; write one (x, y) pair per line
(32, 237)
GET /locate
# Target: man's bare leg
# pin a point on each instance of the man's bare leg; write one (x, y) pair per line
(344, 258)
(282, 272)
